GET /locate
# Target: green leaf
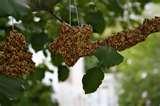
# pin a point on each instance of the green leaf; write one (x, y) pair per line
(3, 22)
(2, 35)
(156, 1)
(10, 87)
(57, 59)
(13, 7)
(108, 57)
(38, 74)
(92, 79)
(36, 95)
(63, 73)
(38, 41)
(43, 5)
(114, 6)
(52, 28)
(4, 101)
(90, 62)
(144, 2)
(96, 20)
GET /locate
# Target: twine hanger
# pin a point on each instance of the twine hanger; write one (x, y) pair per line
(12, 23)
(70, 12)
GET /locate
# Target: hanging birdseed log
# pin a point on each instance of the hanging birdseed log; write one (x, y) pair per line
(127, 39)
(73, 41)
(15, 60)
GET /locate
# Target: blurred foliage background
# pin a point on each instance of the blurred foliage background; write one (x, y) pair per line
(139, 72)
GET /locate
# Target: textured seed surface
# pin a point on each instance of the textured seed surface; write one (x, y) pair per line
(15, 60)
(127, 39)
(73, 41)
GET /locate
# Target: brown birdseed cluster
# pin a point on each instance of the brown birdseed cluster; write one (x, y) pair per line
(73, 41)
(15, 60)
(127, 39)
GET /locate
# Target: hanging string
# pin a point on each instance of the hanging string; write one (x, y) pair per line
(12, 23)
(76, 8)
(70, 13)
(129, 9)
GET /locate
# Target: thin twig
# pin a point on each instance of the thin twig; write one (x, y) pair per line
(58, 18)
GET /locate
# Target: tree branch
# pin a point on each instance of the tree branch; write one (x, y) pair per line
(52, 13)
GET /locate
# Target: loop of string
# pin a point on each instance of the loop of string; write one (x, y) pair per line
(70, 11)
